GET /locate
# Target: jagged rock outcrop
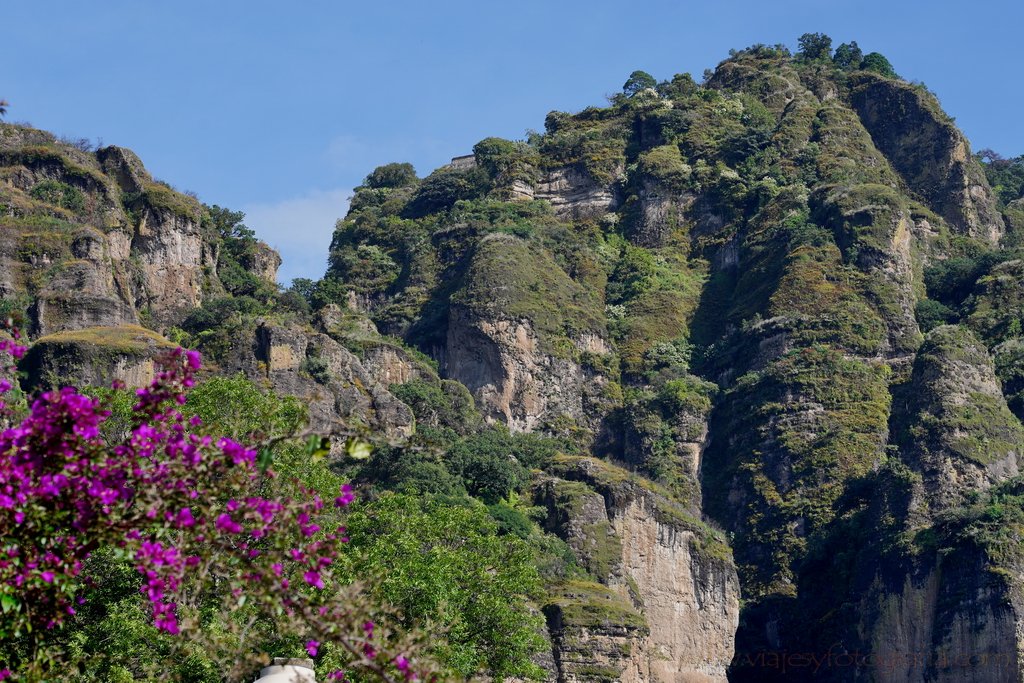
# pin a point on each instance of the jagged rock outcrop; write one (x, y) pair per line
(83, 292)
(173, 262)
(673, 576)
(775, 232)
(721, 288)
(264, 262)
(508, 341)
(94, 240)
(575, 194)
(512, 380)
(125, 167)
(959, 433)
(390, 364)
(93, 356)
(930, 153)
(97, 247)
(328, 377)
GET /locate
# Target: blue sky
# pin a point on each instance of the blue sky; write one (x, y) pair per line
(279, 109)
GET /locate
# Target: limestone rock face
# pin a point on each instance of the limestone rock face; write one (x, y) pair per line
(84, 292)
(1014, 216)
(929, 152)
(690, 599)
(596, 634)
(511, 379)
(264, 262)
(520, 191)
(94, 356)
(107, 279)
(507, 338)
(36, 165)
(661, 212)
(961, 437)
(392, 365)
(328, 377)
(650, 552)
(94, 240)
(172, 256)
(997, 301)
(574, 194)
(953, 624)
(125, 167)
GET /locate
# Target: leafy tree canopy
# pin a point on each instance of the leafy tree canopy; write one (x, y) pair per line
(442, 188)
(848, 56)
(815, 47)
(448, 564)
(228, 223)
(637, 81)
(681, 85)
(391, 176)
(874, 61)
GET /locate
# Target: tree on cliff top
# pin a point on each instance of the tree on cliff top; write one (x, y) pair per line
(391, 176)
(637, 81)
(815, 47)
(848, 56)
(874, 61)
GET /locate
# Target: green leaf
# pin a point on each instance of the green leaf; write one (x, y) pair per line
(265, 459)
(358, 449)
(9, 604)
(317, 447)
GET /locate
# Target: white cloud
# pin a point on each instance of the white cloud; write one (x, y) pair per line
(300, 229)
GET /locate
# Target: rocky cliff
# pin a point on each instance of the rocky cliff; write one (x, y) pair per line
(92, 239)
(673, 575)
(751, 348)
(723, 288)
(93, 248)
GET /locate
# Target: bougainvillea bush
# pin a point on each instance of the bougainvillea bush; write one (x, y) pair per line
(215, 535)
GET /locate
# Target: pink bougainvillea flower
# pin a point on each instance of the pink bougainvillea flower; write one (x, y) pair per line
(313, 579)
(185, 518)
(346, 497)
(225, 523)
